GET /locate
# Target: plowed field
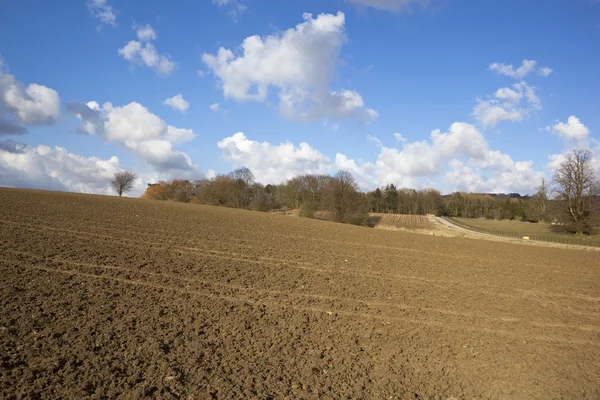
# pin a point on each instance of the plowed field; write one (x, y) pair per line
(105, 298)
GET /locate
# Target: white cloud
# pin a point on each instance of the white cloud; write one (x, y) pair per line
(21, 106)
(210, 174)
(390, 5)
(363, 172)
(140, 131)
(146, 33)
(426, 158)
(530, 95)
(272, 164)
(236, 7)
(555, 160)
(509, 95)
(527, 66)
(101, 10)
(160, 154)
(179, 135)
(399, 137)
(489, 113)
(54, 168)
(507, 104)
(335, 105)
(143, 52)
(545, 71)
(574, 130)
(473, 165)
(299, 64)
(507, 177)
(177, 102)
(215, 107)
(482, 169)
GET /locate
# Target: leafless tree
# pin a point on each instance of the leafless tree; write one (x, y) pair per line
(540, 202)
(123, 182)
(243, 180)
(341, 195)
(577, 190)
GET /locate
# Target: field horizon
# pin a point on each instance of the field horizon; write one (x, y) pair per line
(107, 297)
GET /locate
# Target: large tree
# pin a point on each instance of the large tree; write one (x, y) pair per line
(577, 190)
(391, 198)
(341, 195)
(123, 182)
(242, 194)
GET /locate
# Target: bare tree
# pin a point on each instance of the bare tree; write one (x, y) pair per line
(341, 195)
(578, 190)
(243, 179)
(540, 201)
(123, 182)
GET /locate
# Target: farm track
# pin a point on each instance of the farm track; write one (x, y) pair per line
(105, 297)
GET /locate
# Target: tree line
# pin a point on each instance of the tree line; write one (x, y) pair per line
(572, 201)
(334, 197)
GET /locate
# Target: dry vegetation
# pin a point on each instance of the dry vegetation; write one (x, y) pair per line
(536, 231)
(404, 222)
(107, 297)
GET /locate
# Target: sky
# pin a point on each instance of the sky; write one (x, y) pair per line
(459, 95)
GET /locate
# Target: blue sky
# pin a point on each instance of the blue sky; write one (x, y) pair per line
(460, 95)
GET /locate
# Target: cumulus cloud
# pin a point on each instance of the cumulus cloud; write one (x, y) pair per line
(509, 95)
(274, 163)
(489, 113)
(572, 131)
(363, 172)
(22, 106)
(575, 135)
(299, 65)
(426, 158)
(137, 129)
(215, 107)
(390, 5)
(142, 52)
(101, 10)
(177, 102)
(507, 104)
(555, 160)
(54, 168)
(462, 148)
(527, 66)
(507, 177)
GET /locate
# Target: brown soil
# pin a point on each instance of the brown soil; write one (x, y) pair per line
(103, 297)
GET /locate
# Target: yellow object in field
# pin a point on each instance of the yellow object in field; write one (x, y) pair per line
(525, 237)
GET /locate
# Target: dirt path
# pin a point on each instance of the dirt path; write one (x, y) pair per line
(103, 297)
(457, 230)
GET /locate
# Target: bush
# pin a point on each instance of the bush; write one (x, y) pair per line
(361, 219)
(259, 203)
(307, 210)
(156, 192)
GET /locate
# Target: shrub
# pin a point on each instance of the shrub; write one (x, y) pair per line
(156, 192)
(307, 210)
